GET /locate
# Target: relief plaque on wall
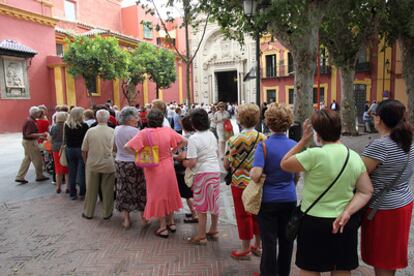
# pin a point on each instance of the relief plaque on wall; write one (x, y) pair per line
(13, 78)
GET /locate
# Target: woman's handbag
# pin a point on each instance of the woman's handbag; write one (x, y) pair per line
(62, 152)
(189, 177)
(252, 194)
(148, 157)
(227, 125)
(293, 225)
(229, 176)
(62, 156)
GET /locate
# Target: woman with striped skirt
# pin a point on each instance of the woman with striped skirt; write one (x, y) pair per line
(202, 158)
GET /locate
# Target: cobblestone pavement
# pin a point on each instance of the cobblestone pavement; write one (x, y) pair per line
(42, 233)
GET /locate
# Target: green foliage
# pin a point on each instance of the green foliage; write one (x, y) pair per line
(349, 26)
(96, 57)
(287, 19)
(400, 19)
(157, 63)
(137, 64)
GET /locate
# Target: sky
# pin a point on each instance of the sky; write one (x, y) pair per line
(160, 5)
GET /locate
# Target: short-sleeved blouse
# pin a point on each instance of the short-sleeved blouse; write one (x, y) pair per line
(392, 160)
(202, 145)
(236, 149)
(123, 134)
(322, 165)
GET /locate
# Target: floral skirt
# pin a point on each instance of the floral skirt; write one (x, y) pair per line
(130, 187)
(206, 192)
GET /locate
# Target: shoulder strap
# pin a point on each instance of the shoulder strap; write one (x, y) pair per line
(247, 155)
(330, 186)
(379, 198)
(148, 136)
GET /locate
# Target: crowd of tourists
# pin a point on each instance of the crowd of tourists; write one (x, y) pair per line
(148, 159)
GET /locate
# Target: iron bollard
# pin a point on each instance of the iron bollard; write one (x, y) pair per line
(295, 131)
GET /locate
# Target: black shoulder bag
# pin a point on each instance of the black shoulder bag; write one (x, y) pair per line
(297, 215)
(229, 174)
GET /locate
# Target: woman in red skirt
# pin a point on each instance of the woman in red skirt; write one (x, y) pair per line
(56, 134)
(389, 160)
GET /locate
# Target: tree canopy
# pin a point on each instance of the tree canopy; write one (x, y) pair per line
(96, 57)
(159, 64)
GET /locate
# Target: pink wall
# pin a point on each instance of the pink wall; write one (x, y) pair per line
(129, 21)
(29, 5)
(103, 13)
(42, 39)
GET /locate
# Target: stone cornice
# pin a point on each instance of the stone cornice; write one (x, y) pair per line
(28, 16)
(47, 3)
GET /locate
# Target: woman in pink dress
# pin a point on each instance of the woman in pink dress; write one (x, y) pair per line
(163, 196)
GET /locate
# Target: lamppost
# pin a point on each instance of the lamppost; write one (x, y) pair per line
(250, 9)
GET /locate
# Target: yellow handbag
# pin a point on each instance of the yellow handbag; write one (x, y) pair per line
(149, 156)
(252, 194)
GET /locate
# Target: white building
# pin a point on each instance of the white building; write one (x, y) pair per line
(220, 66)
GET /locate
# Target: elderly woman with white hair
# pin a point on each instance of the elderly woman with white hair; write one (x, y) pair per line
(130, 180)
(97, 151)
(74, 132)
(56, 137)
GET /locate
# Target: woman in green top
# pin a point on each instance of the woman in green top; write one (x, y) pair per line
(327, 239)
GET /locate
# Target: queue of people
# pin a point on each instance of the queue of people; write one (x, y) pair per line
(186, 150)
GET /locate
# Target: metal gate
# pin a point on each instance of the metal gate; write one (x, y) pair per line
(360, 94)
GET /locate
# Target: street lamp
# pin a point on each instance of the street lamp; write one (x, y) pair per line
(250, 9)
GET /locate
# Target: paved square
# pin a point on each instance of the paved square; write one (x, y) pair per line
(42, 233)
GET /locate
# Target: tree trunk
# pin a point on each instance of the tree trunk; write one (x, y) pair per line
(304, 78)
(348, 108)
(188, 82)
(407, 49)
(157, 92)
(304, 48)
(187, 9)
(90, 84)
(132, 93)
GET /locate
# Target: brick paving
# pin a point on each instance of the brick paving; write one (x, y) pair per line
(47, 236)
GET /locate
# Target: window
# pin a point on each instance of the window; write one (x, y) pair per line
(321, 96)
(271, 96)
(290, 63)
(324, 57)
(270, 66)
(59, 50)
(362, 56)
(291, 96)
(14, 83)
(147, 29)
(70, 10)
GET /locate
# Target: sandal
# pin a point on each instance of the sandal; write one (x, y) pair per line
(171, 227)
(241, 256)
(191, 220)
(214, 236)
(162, 233)
(257, 251)
(188, 215)
(126, 225)
(197, 241)
(145, 222)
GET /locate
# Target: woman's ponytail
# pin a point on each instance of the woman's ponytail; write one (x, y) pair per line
(393, 115)
(402, 134)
